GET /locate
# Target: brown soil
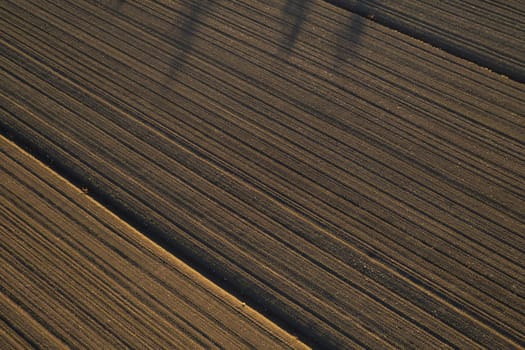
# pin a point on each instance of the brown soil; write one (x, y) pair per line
(357, 186)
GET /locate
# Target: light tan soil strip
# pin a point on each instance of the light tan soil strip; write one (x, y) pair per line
(74, 275)
(362, 186)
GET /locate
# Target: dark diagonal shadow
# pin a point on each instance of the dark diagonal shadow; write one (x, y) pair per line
(184, 34)
(349, 38)
(351, 35)
(294, 12)
(118, 4)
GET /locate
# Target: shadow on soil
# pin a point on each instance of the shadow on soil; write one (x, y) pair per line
(294, 13)
(293, 16)
(348, 37)
(186, 28)
(183, 34)
(118, 4)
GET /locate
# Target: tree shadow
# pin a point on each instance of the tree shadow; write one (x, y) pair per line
(296, 12)
(294, 15)
(184, 26)
(118, 4)
(349, 39)
(183, 34)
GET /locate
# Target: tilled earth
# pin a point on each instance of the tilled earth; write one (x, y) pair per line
(359, 187)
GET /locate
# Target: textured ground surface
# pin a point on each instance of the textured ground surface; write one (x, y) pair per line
(74, 275)
(487, 32)
(358, 186)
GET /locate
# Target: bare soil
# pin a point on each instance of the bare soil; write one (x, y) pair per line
(361, 188)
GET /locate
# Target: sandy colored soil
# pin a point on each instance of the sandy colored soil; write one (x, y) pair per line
(359, 187)
(74, 275)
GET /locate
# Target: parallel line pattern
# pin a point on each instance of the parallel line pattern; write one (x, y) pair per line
(75, 276)
(329, 177)
(487, 32)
